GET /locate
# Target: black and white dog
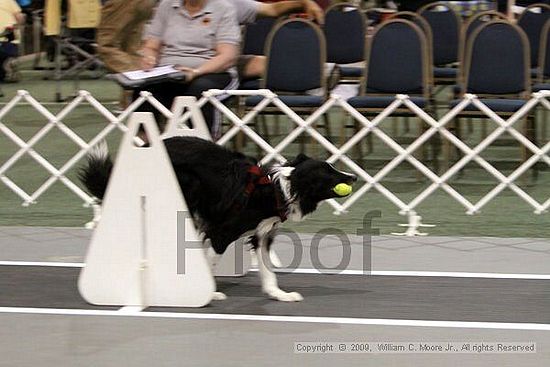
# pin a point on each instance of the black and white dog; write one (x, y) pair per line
(228, 195)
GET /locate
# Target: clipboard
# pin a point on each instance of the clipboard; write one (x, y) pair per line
(139, 78)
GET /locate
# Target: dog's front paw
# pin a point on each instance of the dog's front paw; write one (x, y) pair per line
(283, 296)
(219, 296)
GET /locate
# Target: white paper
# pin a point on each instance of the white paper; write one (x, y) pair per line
(146, 74)
(346, 91)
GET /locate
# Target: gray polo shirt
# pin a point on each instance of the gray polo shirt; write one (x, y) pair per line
(191, 40)
(247, 10)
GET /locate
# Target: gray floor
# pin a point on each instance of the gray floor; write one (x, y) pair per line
(55, 340)
(111, 340)
(391, 253)
(355, 296)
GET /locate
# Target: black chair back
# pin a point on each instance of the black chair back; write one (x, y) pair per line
(296, 56)
(397, 59)
(479, 19)
(544, 52)
(531, 21)
(421, 23)
(345, 34)
(471, 25)
(445, 25)
(497, 60)
(255, 36)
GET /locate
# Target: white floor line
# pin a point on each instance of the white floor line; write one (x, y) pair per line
(131, 309)
(42, 263)
(415, 273)
(405, 273)
(461, 274)
(296, 319)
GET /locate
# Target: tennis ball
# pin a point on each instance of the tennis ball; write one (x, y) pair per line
(343, 189)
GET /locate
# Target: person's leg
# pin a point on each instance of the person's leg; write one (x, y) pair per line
(8, 62)
(3, 57)
(204, 83)
(165, 94)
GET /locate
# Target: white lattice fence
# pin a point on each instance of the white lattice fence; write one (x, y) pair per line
(372, 127)
(304, 126)
(56, 122)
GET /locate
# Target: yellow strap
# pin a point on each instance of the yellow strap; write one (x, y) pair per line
(81, 14)
(52, 17)
(84, 13)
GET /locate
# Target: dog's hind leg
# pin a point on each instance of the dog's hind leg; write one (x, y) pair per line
(263, 239)
(213, 258)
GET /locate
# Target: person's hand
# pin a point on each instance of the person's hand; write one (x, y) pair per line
(148, 61)
(190, 73)
(314, 11)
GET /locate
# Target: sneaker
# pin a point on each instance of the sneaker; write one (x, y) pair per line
(12, 73)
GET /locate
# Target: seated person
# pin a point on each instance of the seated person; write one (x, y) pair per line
(10, 17)
(199, 37)
(120, 31)
(122, 22)
(119, 35)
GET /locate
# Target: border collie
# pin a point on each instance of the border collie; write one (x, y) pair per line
(228, 194)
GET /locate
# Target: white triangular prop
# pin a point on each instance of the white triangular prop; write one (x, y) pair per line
(175, 127)
(133, 256)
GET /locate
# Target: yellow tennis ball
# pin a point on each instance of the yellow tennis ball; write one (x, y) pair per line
(343, 189)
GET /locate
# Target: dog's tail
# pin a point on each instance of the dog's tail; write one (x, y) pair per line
(95, 174)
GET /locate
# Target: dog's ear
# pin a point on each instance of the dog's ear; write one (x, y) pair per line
(299, 159)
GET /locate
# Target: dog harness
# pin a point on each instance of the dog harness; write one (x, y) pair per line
(259, 178)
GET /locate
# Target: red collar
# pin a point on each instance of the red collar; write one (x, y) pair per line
(257, 177)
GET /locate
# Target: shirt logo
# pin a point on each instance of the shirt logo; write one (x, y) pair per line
(206, 20)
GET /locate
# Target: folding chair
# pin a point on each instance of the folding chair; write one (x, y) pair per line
(254, 39)
(397, 62)
(544, 60)
(425, 27)
(472, 24)
(420, 22)
(37, 35)
(344, 30)
(532, 21)
(253, 43)
(255, 36)
(496, 68)
(296, 57)
(468, 28)
(543, 78)
(445, 24)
